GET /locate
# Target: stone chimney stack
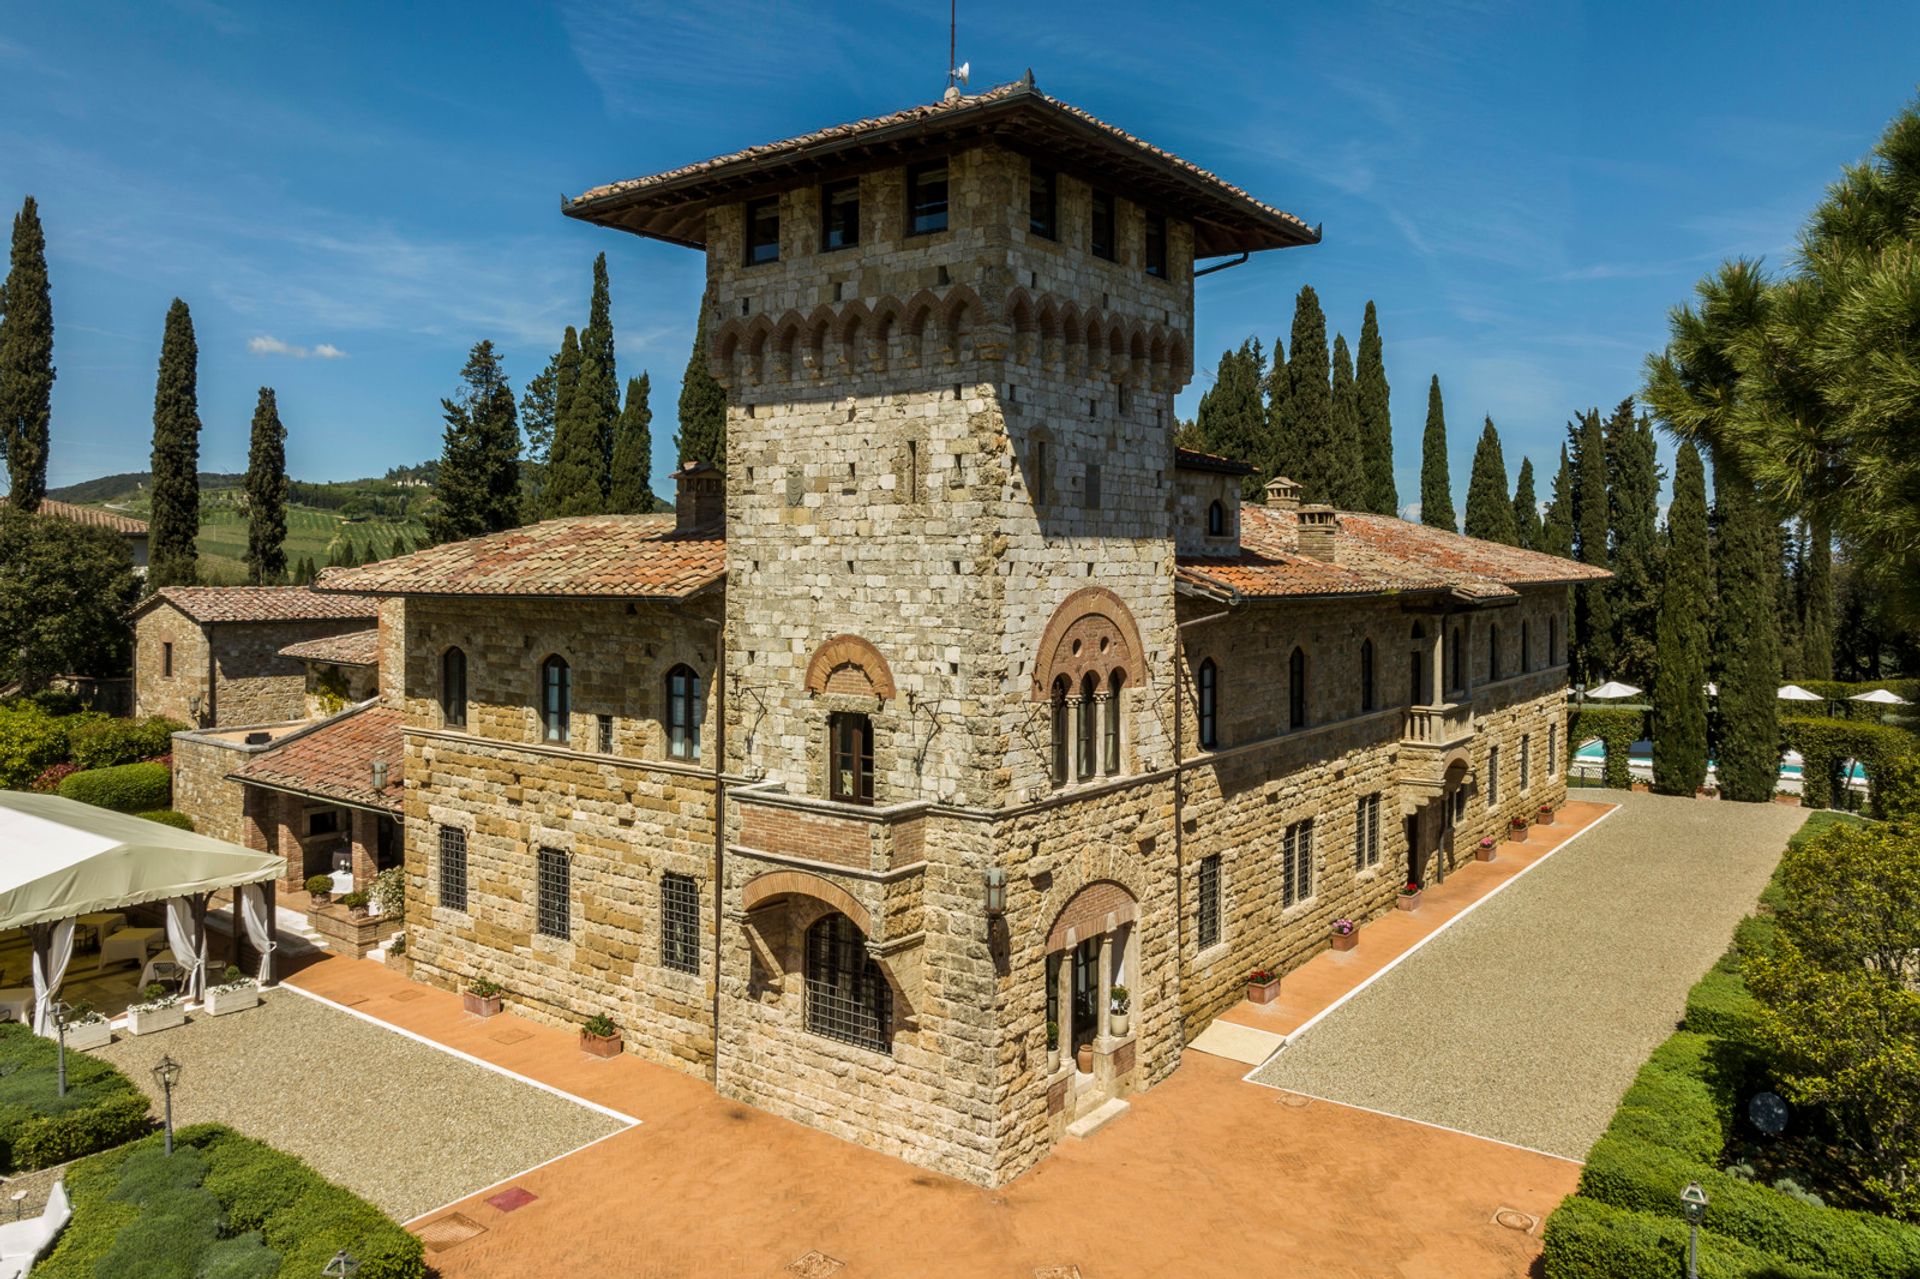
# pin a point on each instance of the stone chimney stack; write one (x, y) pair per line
(1318, 527)
(699, 497)
(1282, 494)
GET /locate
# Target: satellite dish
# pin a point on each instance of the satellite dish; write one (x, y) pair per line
(1768, 1113)
(961, 72)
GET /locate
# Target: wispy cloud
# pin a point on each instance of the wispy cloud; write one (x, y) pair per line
(265, 344)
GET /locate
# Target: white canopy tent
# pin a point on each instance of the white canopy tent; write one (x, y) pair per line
(1880, 697)
(1794, 693)
(1612, 689)
(60, 859)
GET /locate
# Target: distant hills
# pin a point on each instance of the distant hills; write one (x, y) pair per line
(131, 485)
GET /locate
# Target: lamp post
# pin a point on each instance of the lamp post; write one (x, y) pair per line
(343, 1266)
(60, 1010)
(167, 1074)
(1693, 1202)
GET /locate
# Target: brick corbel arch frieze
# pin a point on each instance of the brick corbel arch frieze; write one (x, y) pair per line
(775, 885)
(1092, 630)
(849, 664)
(1099, 907)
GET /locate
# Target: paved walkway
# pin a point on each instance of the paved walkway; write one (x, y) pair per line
(1526, 1020)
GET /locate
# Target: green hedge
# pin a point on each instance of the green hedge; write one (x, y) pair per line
(32, 741)
(1618, 729)
(39, 1128)
(224, 1205)
(168, 817)
(1898, 788)
(104, 743)
(1586, 1239)
(125, 788)
(1823, 743)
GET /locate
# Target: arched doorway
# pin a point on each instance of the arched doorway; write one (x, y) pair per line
(1091, 950)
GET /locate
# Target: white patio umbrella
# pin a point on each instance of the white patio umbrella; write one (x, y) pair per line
(1711, 689)
(1794, 693)
(1611, 689)
(1881, 697)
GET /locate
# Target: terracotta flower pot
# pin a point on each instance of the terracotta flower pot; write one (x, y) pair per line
(1346, 941)
(1083, 1059)
(1517, 832)
(1485, 852)
(1544, 815)
(480, 1005)
(1263, 992)
(600, 1045)
(1408, 901)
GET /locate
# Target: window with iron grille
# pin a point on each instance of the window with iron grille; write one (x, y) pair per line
(603, 733)
(680, 923)
(1366, 832)
(554, 876)
(1208, 712)
(1208, 933)
(453, 868)
(1296, 863)
(1526, 760)
(847, 995)
(1493, 776)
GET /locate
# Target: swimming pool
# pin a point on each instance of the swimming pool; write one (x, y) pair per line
(1640, 758)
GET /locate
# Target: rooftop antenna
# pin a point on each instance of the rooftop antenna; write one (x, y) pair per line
(956, 74)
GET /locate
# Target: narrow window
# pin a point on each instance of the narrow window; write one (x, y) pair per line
(1493, 776)
(1493, 653)
(927, 198)
(685, 709)
(913, 471)
(1100, 241)
(556, 700)
(1209, 681)
(1366, 675)
(1458, 649)
(453, 868)
(1526, 648)
(1042, 202)
(847, 995)
(680, 923)
(1208, 932)
(1553, 749)
(1062, 742)
(852, 763)
(1297, 689)
(603, 734)
(1296, 863)
(1091, 493)
(763, 231)
(1116, 684)
(554, 882)
(1366, 832)
(166, 658)
(1089, 704)
(1526, 760)
(1156, 246)
(1039, 471)
(453, 688)
(1217, 519)
(1553, 641)
(839, 215)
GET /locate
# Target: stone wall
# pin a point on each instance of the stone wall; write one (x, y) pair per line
(331, 688)
(183, 694)
(201, 788)
(253, 684)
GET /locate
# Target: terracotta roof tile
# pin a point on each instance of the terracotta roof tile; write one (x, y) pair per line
(1195, 460)
(355, 648)
(597, 556)
(91, 515)
(335, 760)
(206, 604)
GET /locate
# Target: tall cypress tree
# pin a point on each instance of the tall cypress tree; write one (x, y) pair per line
(1633, 502)
(1686, 604)
(175, 523)
(1232, 421)
(1353, 489)
(1816, 628)
(1436, 487)
(599, 378)
(1304, 438)
(1592, 601)
(1746, 639)
(1526, 509)
(1556, 529)
(1489, 507)
(576, 478)
(26, 361)
(566, 376)
(1376, 419)
(478, 485)
(630, 487)
(702, 436)
(267, 493)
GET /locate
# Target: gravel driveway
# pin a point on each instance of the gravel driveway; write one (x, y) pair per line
(404, 1125)
(1526, 1020)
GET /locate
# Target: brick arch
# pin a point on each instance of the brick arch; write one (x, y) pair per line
(1089, 616)
(776, 885)
(849, 664)
(1099, 907)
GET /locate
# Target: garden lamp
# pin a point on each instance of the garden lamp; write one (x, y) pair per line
(1693, 1202)
(343, 1266)
(167, 1074)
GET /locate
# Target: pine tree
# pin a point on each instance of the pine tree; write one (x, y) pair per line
(1686, 603)
(175, 522)
(478, 490)
(26, 361)
(1526, 509)
(599, 378)
(1816, 625)
(1436, 487)
(702, 436)
(267, 493)
(630, 487)
(538, 404)
(1746, 641)
(1376, 419)
(1593, 601)
(1489, 507)
(1232, 421)
(1304, 438)
(1354, 488)
(1556, 528)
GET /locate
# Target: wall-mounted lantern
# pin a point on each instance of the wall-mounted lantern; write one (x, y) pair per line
(996, 892)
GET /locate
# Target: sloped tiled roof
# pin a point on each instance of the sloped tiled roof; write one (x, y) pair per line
(588, 556)
(205, 604)
(1373, 554)
(95, 516)
(1195, 460)
(335, 761)
(355, 648)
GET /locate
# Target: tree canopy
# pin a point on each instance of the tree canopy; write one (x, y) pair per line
(479, 486)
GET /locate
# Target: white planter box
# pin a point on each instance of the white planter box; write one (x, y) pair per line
(222, 1002)
(89, 1034)
(144, 1021)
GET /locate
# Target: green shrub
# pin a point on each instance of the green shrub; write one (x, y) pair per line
(1898, 787)
(39, 1128)
(1589, 1240)
(125, 788)
(107, 742)
(390, 891)
(169, 817)
(1617, 728)
(1824, 743)
(31, 741)
(319, 883)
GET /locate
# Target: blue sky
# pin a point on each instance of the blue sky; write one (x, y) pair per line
(350, 195)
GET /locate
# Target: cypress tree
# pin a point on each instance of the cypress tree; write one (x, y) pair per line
(1592, 602)
(1816, 629)
(1556, 529)
(1376, 419)
(26, 361)
(1526, 509)
(599, 379)
(1746, 639)
(1436, 488)
(1354, 488)
(267, 493)
(1633, 505)
(175, 522)
(566, 376)
(1789, 570)
(478, 489)
(1489, 508)
(1686, 602)
(1232, 421)
(702, 436)
(576, 478)
(1305, 440)
(630, 490)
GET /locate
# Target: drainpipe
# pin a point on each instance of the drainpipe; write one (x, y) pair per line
(716, 694)
(1179, 832)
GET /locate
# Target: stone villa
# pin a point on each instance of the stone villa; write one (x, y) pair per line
(959, 697)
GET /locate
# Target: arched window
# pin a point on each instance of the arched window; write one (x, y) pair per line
(556, 699)
(1457, 645)
(453, 688)
(686, 707)
(1116, 683)
(1297, 689)
(847, 995)
(850, 738)
(1493, 653)
(1217, 520)
(1062, 742)
(1526, 648)
(1089, 690)
(1366, 675)
(1209, 692)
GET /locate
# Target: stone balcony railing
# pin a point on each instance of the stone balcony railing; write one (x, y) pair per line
(1438, 727)
(868, 841)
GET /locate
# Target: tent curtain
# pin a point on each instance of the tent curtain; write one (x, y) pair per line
(253, 912)
(52, 948)
(189, 947)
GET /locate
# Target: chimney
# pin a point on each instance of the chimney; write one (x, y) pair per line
(1318, 526)
(1282, 494)
(699, 497)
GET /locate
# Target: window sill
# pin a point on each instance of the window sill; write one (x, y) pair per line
(1212, 955)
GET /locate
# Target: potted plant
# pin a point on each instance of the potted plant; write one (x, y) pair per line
(87, 1027)
(235, 992)
(1484, 850)
(320, 888)
(1053, 1047)
(397, 957)
(481, 997)
(356, 904)
(1517, 830)
(1409, 898)
(1543, 815)
(599, 1037)
(1345, 935)
(161, 1010)
(1786, 797)
(1709, 791)
(1117, 1010)
(1263, 986)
